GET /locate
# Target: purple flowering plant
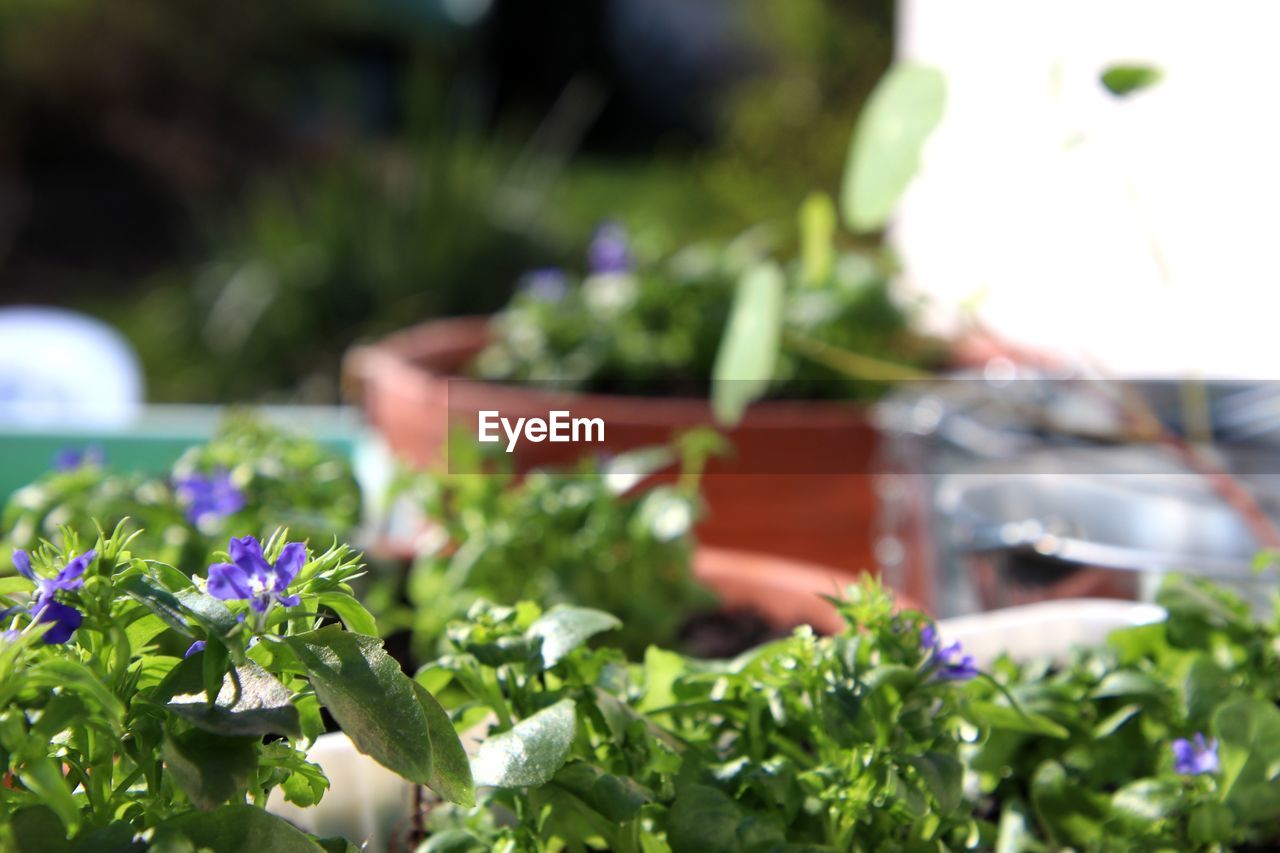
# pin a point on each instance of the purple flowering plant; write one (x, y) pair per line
(250, 476)
(70, 458)
(803, 310)
(208, 498)
(59, 618)
(139, 702)
(1194, 756)
(947, 660)
(610, 250)
(1165, 736)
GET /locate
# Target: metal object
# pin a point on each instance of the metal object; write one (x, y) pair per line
(1026, 491)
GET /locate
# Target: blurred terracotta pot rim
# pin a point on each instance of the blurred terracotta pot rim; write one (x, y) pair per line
(441, 349)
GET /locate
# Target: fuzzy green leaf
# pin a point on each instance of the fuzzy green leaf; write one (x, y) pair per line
(884, 155)
(239, 827)
(530, 752)
(450, 766)
(261, 705)
(617, 798)
(1072, 815)
(749, 348)
(1123, 80)
(373, 701)
(562, 629)
(704, 820)
(209, 768)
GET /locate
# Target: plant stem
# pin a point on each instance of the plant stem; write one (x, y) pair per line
(852, 364)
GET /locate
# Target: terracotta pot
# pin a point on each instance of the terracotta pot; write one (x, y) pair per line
(797, 484)
(785, 592)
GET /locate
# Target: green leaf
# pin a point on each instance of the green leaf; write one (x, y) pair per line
(1015, 835)
(991, 715)
(179, 609)
(817, 237)
(661, 669)
(38, 829)
(624, 472)
(703, 820)
(1138, 642)
(562, 629)
(368, 695)
(1128, 683)
(945, 777)
(215, 660)
(352, 613)
(69, 675)
(452, 841)
(761, 831)
(450, 765)
(617, 798)
(1072, 815)
(241, 827)
(1211, 823)
(1122, 80)
(214, 616)
(211, 769)
(749, 347)
(1146, 800)
(305, 785)
(665, 514)
(143, 630)
(1112, 723)
(262, 705)
(530, 752)
(44, 779)
(337, 844)
(1205, 687)
(1187, 599)
(892, 675)
(158, 600)
(884, 155)
(1249, 734)
(15, 583)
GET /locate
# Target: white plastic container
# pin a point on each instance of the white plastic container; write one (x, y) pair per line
(1136, 230)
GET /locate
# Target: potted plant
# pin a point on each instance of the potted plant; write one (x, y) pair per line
(248, 476)
(653, 346)
(887, 735)
(144, 709)
(601, 534)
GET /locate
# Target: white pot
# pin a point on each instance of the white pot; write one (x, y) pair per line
(1045, 629)
(1058, 213)
(367, 802)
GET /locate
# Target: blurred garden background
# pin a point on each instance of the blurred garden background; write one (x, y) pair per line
(245, 192)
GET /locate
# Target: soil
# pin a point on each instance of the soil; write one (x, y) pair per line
(725, 633)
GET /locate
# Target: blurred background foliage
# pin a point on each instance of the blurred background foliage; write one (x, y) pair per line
(245, 192)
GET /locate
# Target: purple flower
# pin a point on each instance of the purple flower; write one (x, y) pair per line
(951, 662)
(71, 458)
(610, 251)
(10, 635)
(544, 285)
(194, 648)
(209, 498)
(251, 578)
(63, 618)
(1195, 756)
